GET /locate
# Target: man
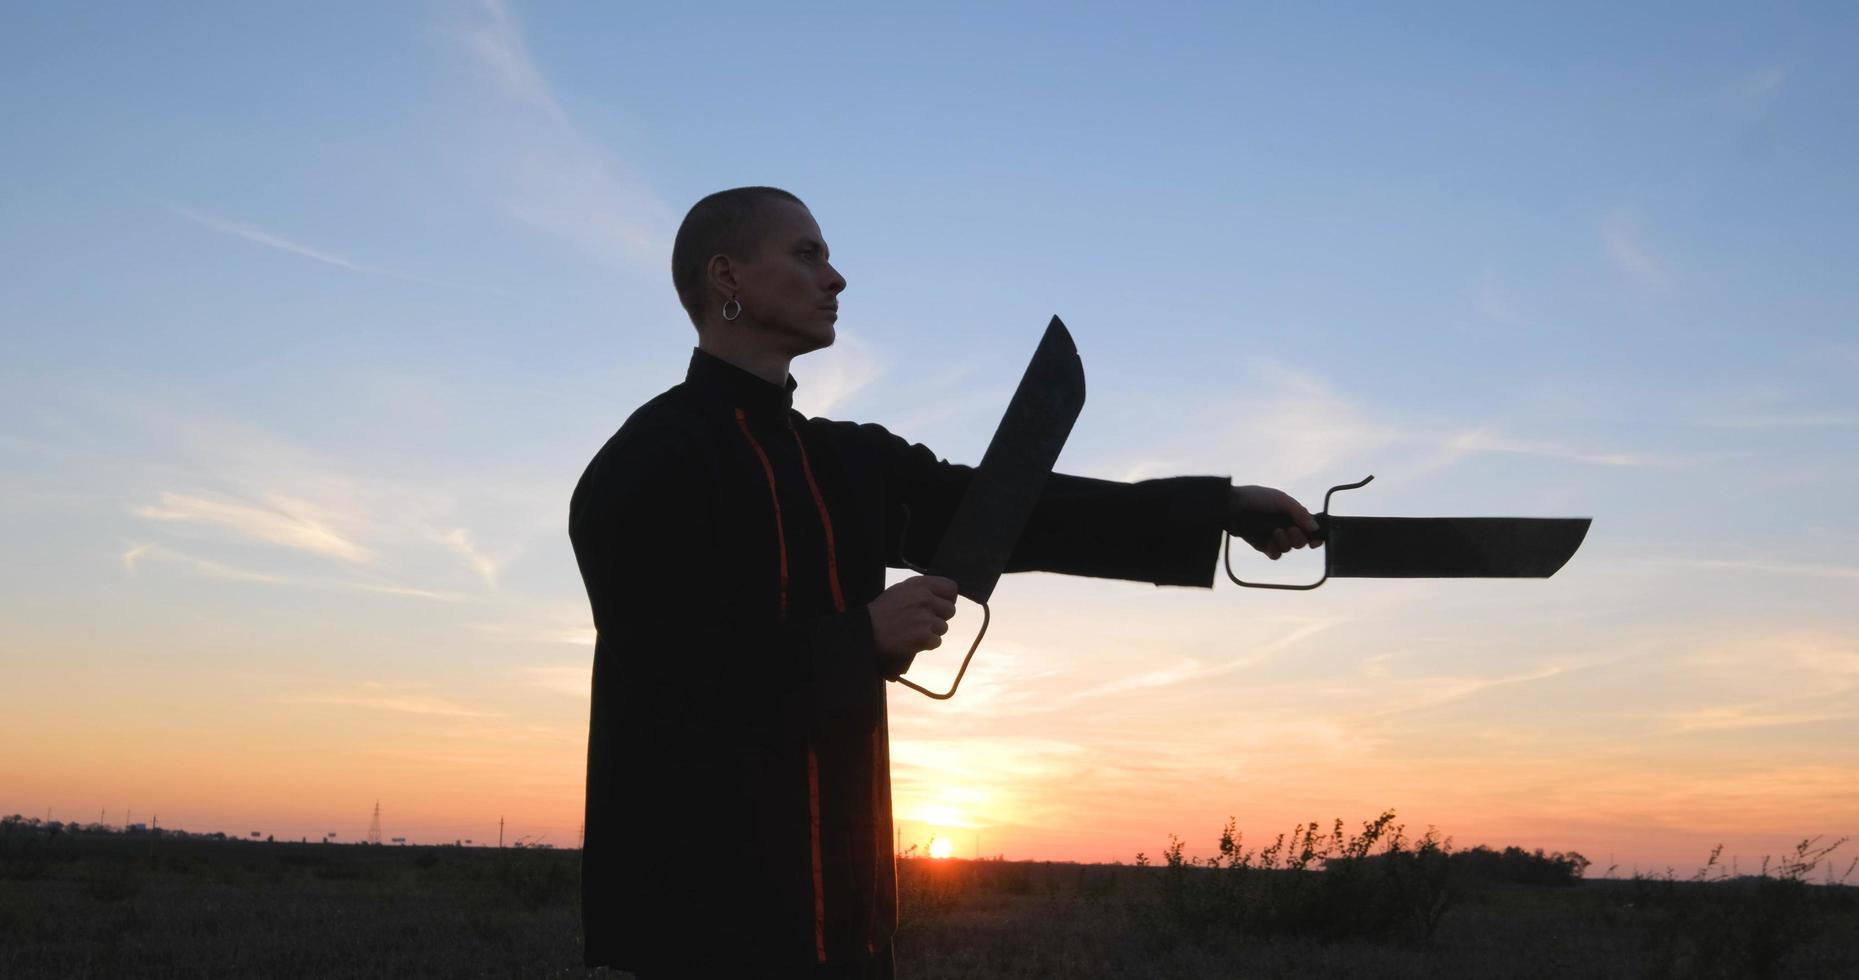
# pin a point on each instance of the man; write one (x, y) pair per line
(738, 799)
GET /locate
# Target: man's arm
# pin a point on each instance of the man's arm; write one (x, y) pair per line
(1165, 531)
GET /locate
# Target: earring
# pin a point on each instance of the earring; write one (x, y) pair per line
(727, 315)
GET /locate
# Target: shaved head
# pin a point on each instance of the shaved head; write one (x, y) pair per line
(735, 223)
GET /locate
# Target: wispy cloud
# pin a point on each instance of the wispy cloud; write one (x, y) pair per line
(460, 541)
(557, 179)
(136, 555)
(572, 679)
(1296, 428)
(401, 698)
(1492, 299)
(834, 376)
(1789, 420)
(280, 521)
(1737, 716)
(1488, 439)
(1754, 91)
(1767, 567)
(1299, 427)
(395, 534)
(252, 233)
(1623, 240)
(581, 636)
(1419, 694)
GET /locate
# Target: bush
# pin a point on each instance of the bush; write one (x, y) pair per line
(1376, 882)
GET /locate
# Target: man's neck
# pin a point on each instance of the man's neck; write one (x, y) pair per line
(770, 366)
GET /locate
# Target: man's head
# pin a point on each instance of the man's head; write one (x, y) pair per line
(758, 247)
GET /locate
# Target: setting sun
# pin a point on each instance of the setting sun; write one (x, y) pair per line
(940, 848)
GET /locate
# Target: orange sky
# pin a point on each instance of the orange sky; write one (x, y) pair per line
(1074, 738)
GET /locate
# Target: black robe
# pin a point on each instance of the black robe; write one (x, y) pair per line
(738, 779)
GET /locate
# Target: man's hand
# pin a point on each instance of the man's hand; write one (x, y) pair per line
(911, 617)
(1271, 521)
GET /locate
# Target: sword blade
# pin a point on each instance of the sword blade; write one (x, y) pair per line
(1451, 547)
(1006, 486)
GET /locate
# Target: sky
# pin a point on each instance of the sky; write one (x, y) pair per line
(312, 316)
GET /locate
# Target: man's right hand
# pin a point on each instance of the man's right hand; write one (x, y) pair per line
(911, 617)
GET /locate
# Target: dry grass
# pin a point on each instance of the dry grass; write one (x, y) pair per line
(1372, 902)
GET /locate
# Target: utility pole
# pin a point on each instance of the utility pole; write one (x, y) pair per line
(500, 833)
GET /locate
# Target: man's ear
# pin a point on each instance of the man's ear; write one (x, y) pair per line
(721, 274)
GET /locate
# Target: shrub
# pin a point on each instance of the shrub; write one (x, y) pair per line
(1374, 882)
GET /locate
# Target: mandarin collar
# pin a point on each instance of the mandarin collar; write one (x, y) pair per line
(743, 390)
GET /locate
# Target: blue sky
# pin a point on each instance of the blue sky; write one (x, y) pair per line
(312, 318)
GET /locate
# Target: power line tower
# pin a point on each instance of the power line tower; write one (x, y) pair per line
(374, 825)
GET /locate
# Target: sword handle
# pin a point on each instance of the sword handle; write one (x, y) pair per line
(1272, 524)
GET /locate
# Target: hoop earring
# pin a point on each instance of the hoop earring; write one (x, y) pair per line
(727, 315)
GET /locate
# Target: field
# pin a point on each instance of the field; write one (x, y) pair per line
(118, 905)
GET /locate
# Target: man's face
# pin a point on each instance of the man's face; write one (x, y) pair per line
(789, 288)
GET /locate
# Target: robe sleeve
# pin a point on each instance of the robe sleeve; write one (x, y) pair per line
(1164, 531)
(644, 532)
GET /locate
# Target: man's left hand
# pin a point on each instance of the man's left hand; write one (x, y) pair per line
(1271, 521)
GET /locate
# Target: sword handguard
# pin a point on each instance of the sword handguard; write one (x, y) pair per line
(972, 647)
(1322, 519)
(903, 536)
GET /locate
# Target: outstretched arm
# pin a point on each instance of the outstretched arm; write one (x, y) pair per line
(1165, 531)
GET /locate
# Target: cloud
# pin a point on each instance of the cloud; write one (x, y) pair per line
(1419, 694)
(1189, 670)
(401, 535)
(135, 556)
(1754, 91)
(835, 375)
(1766, 567)
(527, 633)
(1796, 420)
(1622, 239)
(1300, 427)
(404, 699)
(285, 522)
(1486, 439)
(1738, 716)
(499, 46)
(400, 590)
(572, 679)
(1495, 302)
(252, 233)
(553, 177)
(460, 541)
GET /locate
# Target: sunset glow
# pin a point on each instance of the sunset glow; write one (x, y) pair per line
(312, 322)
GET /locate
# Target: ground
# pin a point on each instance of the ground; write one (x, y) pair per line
(113, 905)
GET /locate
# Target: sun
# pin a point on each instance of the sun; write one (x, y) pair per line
(941, 848)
